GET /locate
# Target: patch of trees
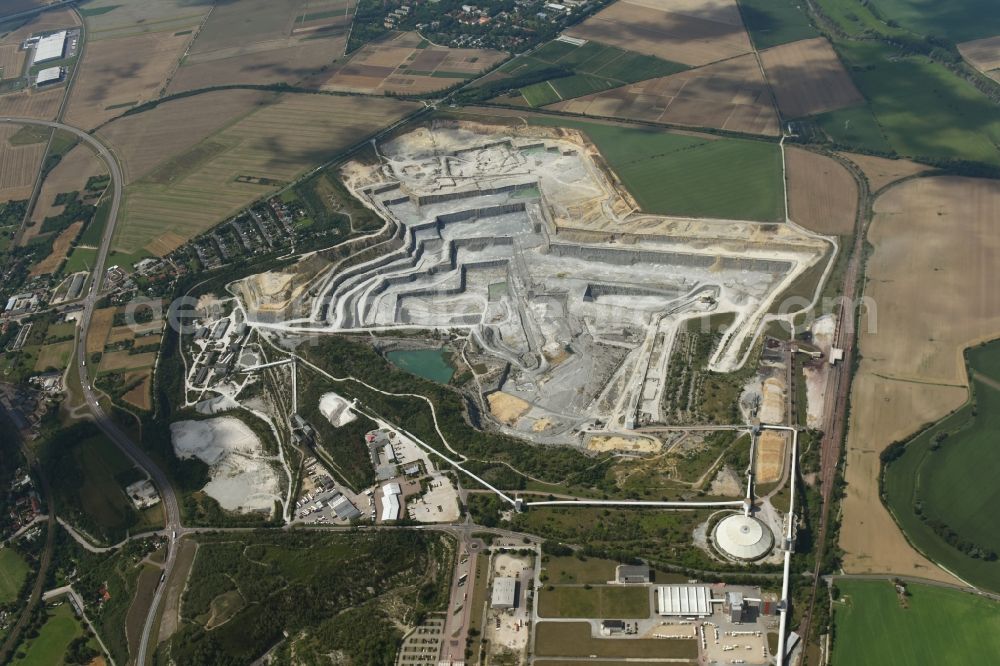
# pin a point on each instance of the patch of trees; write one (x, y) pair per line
(953, 538)
(74, 211)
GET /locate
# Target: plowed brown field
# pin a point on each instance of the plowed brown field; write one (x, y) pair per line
(693, 32)
(822, 193)
(881, 171)
(807, 78)
(727, 95)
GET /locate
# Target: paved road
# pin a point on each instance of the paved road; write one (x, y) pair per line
(103, 421)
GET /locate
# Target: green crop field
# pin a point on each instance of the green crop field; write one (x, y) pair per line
(680, 174)
(626, 603)
(951, 478)
(13, 571)
(48, 648)
(540, 94)
(774, 22)
(573, 639)
(939, 627)
(855, 126)
(80, 259)
(922, 108)
(955, 20)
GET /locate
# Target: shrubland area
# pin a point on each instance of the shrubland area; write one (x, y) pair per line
(325, 591)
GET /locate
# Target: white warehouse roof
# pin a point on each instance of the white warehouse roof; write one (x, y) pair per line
(743, 537)
(685, 600)
(48, 75)
(504, 592)
(390, 508)
(50, 47)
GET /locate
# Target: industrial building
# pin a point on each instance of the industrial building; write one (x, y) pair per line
(610, 627)
(627, 573)
(390, 501)
(49, 47)
(504, 593)
(344, 509)
(49, 75)
(684, 600)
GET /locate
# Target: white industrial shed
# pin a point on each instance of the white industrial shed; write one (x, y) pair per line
(50, 47)
(684, 600)
(49, 75)
(504, 592)
(390, 501)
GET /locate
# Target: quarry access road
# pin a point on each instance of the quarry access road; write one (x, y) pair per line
(101, 419)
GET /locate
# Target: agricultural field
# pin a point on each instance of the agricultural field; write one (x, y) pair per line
(881, 171)
(12, 59)
(38, 105)
(145, 140)
(80, 259)
(940, 487)
(943, 117)
(592, 67)
(956, 20)
(617, 601)
(855, 126)
(60, 248)
(933, 241)
(262, 42)
(984, 55)
(692, 32)
(69, 175)
(573, 639)
(930, 626)
(196, 189)
(807, 78)
(822, 193)
(117, 74)
(774, 22)
(730, 95)
(111, 19)
(19, 164)
(405, 63)
(54, 356)
(13, 572)
(50, 645)
(676, 174)
(100, 325)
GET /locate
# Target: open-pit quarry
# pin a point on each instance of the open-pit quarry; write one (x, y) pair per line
(524, 243)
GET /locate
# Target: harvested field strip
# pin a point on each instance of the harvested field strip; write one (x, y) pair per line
(18, 165)
(675, 174)
(278, 142)
(150, 138)
(880, 171)
(874, 627)
(60, 246)
(122, 360)
(141, 394)
(100, 324)
(984, 55)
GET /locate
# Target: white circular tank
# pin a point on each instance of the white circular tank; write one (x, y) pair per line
(743, 537)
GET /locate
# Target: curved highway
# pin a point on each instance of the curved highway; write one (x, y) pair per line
(130, 448)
